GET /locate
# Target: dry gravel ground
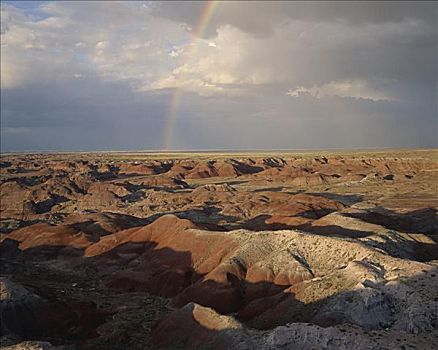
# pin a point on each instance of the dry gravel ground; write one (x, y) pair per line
(267, 250)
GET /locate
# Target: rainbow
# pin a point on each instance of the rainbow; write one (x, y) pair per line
(176, 98)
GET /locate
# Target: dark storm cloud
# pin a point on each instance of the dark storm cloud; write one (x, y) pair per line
(259, 17)
(267, 121)
(81, 115)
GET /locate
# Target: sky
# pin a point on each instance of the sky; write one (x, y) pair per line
(82, 76)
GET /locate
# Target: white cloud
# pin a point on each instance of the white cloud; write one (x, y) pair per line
(357, 88)
(302, 54)
(298, 91)
(115, 41)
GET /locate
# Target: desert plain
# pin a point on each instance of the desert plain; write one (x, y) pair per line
(248, 250)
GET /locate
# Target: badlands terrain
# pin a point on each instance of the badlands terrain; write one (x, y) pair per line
(312, 250)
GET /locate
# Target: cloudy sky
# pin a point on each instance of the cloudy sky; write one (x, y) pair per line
(227, 75)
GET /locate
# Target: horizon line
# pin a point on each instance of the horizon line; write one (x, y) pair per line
(224, 150)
